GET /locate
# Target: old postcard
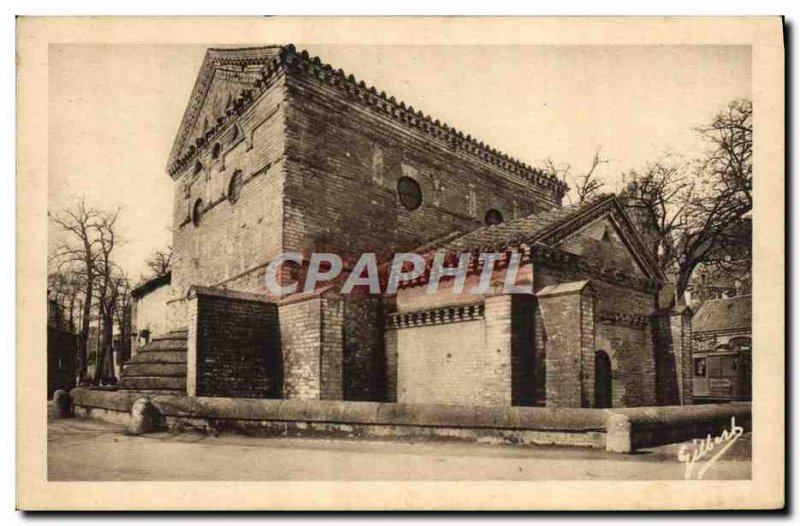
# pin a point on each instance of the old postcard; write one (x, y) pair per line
(487, 263)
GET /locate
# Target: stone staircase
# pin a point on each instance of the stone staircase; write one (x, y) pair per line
(159, 367)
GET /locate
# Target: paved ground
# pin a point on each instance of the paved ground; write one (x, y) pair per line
(94, 450)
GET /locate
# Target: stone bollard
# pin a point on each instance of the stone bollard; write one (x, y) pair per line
(144, 417)
(618, 433)
(62, 404)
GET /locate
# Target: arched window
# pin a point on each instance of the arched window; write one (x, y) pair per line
(235, 186)
(410, 193)
(197, 167)
(235, 133)
(493, 217)
(216, 151)
(197, 212)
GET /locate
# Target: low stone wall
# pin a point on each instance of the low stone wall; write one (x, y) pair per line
(654, 426)
(619, 430)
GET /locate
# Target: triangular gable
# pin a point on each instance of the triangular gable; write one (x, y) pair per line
(603, 241)
(606, 219)
(222, 77)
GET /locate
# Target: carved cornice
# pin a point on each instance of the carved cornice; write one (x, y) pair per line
(263, 79)
(634, 321)
(438, 316)
(357, 91)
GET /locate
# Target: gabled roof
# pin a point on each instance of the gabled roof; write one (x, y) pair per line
(152, 284)
(728, 314)
(215, 60)
(550, 226)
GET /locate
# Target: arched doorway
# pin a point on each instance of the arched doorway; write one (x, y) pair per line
(602, 379)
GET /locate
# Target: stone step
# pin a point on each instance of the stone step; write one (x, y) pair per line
(154, 369)
(159, 357)
(164, 345)
(180, 334)
(142, 383)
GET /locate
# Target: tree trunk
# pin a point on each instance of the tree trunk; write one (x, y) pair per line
(682, 282)
(83, 354)
(105, 367)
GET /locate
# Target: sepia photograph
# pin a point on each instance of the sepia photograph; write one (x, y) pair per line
(282, 259)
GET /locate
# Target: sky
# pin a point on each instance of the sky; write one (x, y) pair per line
(114, 111)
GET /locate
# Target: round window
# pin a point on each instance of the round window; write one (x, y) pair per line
(235, 186)
(410, 193)
(493, 217)
(197, 211)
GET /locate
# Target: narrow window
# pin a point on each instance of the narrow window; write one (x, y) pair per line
(216, 151)
(235, 186)
(197, 212)
(700, 367)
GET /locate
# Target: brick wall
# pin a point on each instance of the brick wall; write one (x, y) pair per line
(365, 375)
(301, 325)
(234, 346)
(312, 342)
(672, 340)
(444, 364)
(524, 359)
(343, 165)
(233, 241)
(630, 347)
(632, 363)
(562, 315)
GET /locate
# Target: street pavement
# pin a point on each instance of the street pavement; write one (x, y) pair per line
(93, 450)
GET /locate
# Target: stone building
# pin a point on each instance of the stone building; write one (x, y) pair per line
(722, 351)
(278, 152)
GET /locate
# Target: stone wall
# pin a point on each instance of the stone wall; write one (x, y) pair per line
(233, 346)
(599, 428)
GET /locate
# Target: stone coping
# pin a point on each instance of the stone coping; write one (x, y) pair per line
(345, 412)
(197, 290)
(625, 430)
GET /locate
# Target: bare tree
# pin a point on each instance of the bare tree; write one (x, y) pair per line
(107, 289)
(584, 186)
(588, 185)
(698, 213)
(79, 253)
(729, 162)
(65, 288)
(160, 262)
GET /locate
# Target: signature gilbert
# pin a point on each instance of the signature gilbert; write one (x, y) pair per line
(692, 454)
